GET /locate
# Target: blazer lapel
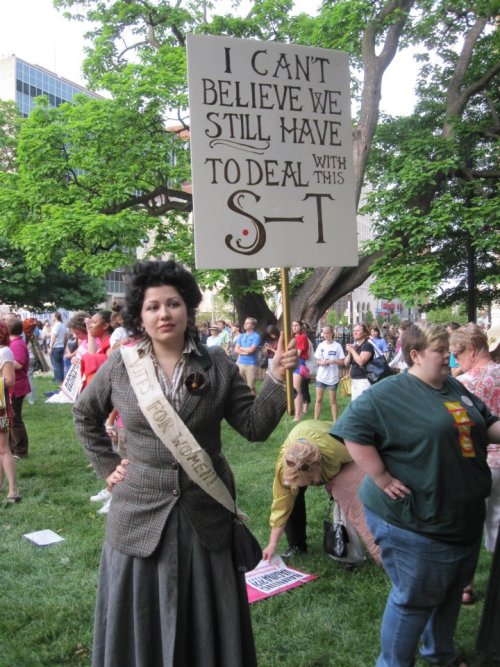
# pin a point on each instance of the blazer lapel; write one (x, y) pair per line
(193, 396)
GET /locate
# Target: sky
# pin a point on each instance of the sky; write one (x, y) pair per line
(36, 32)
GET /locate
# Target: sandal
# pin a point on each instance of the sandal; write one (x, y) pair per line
(13, 499)
(468, 596)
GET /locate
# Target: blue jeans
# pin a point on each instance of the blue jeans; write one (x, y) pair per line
(427, 577)
(57, 361)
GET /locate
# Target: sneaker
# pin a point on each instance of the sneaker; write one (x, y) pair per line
(291, 552)
(101, 497)
(105, 508)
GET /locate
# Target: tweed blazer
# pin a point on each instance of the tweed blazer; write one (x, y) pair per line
(154, 481)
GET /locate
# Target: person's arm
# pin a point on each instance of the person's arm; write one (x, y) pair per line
(341, 358)
(91, 341)
(369, 461)
(89, 415)
(361, 358)
(493, 433)
(8, 374)
(52, 341)
(269, 551)
(281, 509)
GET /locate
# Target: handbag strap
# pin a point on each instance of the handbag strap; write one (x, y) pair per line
(171, 430)
(338, 514)
(378, 353)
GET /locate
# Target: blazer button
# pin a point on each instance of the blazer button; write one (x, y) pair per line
(175, 492)
(175, 466)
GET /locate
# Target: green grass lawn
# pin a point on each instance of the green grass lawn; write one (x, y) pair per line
(47, 594)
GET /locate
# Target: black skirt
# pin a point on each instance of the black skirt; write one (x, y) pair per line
(184, 605)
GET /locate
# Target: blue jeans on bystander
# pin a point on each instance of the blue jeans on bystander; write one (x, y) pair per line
(427, 577)
(57, 360)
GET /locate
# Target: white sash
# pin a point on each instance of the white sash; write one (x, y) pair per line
(170, 428)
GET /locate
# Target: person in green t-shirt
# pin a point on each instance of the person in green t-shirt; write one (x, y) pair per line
(421, 437)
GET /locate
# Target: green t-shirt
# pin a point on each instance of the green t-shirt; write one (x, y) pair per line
(434, 441)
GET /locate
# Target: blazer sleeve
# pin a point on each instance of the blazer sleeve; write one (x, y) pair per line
(89, 414)
(254, 417)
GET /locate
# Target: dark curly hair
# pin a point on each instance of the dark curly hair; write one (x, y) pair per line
(77, 321)
(154, 274)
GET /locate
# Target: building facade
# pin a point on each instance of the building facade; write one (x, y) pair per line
(22, 82)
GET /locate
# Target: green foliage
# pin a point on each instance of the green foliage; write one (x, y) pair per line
(332, 318)
(369, 318)
(22, 287)
(434, 176)
(10, 121)
(447, 315)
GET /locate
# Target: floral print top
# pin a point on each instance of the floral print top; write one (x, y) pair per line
(484, 382)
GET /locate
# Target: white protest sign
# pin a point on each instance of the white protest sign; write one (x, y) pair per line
(271, 147)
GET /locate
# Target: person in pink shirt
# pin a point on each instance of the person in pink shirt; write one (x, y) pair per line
(19, 440)
(7, 379)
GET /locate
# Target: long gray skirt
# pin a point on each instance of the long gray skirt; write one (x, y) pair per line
(183, 606)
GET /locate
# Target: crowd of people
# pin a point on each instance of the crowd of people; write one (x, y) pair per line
(413, 462)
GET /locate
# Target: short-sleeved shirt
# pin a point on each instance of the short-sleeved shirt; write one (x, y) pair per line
(20, 352)
(248, 340)
(5, 356)
(119, 335)
(380, 344)
(333, 456)
(302, 344)
(435, 442)
(59, 331)
(359, 372)
(214, 341)
(328, 375)
(484, 382)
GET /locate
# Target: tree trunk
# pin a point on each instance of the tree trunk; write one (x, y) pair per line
(471, 281)
(247, 303)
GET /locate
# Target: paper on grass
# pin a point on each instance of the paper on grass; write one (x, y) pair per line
(273, 577)
(43, 538)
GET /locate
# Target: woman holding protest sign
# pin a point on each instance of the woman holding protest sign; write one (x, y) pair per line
(168, 591)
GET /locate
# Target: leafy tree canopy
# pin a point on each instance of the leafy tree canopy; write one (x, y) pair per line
(434, 177)
(22, 288)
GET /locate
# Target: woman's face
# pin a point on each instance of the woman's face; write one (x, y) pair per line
(358, 333)
(296, 328)
(164, 315)
(80, 335)
(98, 327)
(327, 334)
(432, 365)
(374, 333)
(466, 358)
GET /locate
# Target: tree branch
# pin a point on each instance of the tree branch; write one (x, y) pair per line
(169, 200)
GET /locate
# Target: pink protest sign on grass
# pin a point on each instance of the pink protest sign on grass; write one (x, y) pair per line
(272, 578)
